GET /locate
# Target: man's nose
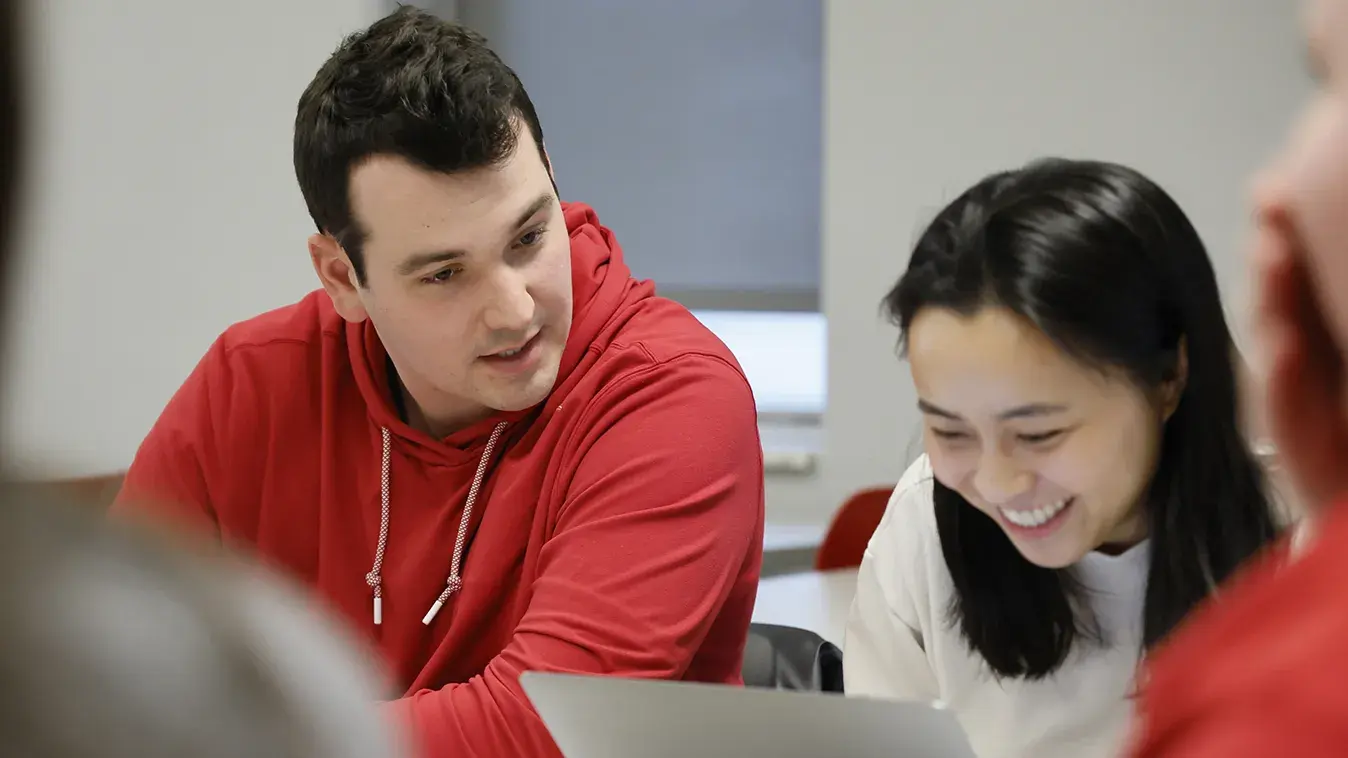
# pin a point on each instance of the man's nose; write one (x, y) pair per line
(510, 307)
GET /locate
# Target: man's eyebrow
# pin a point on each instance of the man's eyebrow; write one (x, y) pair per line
(539, 203)
(417, 261)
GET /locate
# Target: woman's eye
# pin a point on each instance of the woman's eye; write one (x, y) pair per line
(1040, 437)
(948, 434)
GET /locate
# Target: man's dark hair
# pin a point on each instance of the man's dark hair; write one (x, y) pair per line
(412, 85)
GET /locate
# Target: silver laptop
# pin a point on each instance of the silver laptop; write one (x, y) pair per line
(609, 717)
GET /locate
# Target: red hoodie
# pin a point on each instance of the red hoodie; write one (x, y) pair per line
(617, 530)
(1261, 670)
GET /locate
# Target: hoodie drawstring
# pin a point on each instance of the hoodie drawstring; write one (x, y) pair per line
(455, 581)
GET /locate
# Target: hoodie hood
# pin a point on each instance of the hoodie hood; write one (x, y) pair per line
(601, 286)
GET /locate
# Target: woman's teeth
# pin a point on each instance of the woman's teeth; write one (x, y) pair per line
(1033, 517)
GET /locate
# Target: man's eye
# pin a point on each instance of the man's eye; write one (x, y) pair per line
(532, 238)
(947, 434)
(440, 277)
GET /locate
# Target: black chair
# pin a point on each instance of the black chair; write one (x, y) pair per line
(788, 658)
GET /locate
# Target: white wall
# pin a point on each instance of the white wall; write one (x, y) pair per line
(164, 206)
(923, 97)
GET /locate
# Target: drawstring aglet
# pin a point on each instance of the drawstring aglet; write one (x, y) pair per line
(430, 615)
(453, 585)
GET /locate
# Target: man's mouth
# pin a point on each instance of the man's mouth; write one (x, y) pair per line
(518, 354)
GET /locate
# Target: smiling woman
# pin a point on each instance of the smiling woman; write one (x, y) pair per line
(1056, 453)
(1086, 481)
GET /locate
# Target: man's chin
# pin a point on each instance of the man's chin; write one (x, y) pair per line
(534, 390)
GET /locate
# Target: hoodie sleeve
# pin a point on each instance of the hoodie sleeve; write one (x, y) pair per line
(167, 479)
(659, 540)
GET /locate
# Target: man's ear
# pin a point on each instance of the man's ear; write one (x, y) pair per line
(338, 277)
(1173, 387)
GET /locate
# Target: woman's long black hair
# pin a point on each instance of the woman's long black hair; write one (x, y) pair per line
(1105, 263)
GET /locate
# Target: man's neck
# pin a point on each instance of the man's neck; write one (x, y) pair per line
(412, 413)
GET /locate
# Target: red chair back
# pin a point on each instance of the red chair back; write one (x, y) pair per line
(852, 527)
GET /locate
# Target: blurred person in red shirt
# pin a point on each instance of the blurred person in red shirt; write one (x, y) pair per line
(1261, 671)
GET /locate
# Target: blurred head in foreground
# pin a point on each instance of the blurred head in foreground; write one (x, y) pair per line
(1301, 256)
(115, 643)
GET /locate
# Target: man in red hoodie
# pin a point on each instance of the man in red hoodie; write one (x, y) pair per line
(1263, 671)
(483, 442)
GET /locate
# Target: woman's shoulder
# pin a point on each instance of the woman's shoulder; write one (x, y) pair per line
(916, 481)
(911, 507)
(907, 532)
(904, 556)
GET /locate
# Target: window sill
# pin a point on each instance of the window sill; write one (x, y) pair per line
(791, 444)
